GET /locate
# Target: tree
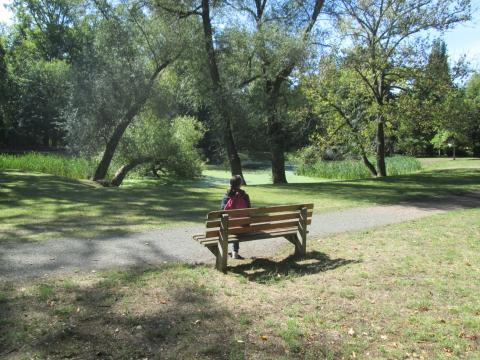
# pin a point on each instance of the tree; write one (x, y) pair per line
(221, 101)
(472, 98)
(37, 56)
(419, 109)
(160, 145)
(3, 92)
(116, 74)
(384, 44)
(283, 31)
(345, 109)
(53, 25)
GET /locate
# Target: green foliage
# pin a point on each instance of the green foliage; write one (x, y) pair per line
(39, 91)
(60, 165)
(355, 169)
(441, 139)
(167, 146)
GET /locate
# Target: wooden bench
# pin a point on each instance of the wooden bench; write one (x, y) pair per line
(228, 226)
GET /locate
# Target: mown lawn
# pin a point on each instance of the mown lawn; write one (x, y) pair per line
(408, 291)
(448, 163)
(36, 206)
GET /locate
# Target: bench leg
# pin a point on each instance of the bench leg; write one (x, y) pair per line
(222, 254)
(221, 263)
(301, 248)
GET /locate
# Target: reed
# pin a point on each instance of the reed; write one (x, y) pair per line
(61, 165)
(355, 169)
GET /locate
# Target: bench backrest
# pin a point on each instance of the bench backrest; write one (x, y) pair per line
(253, 220)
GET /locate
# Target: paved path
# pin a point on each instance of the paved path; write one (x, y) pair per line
(175, 244)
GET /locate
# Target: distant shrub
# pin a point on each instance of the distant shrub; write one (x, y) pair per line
(60, 165)
(355, 169)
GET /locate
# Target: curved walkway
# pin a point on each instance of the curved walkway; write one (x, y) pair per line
(176, 244)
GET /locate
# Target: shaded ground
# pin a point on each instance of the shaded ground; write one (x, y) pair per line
(41, 207)
(406, 291)
(155, 247)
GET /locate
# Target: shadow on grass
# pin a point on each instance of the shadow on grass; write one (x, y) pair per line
(268, 271)
(67, 208)
(59, 207)
(102, 321)
(128, 315)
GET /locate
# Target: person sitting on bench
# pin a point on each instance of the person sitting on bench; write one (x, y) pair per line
(235, 198)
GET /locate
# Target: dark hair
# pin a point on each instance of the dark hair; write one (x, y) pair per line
(235, 183)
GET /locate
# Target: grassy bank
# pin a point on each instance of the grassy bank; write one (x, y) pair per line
(408, 291)
(59, 165)
(37, 207)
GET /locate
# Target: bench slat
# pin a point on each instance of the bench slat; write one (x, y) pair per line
(256, 228)
(262, 210)
(256, 219)
(251, 237)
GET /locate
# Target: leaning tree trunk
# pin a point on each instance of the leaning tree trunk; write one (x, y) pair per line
(102, 168)
(123, 171)
(369, 165)
(382, 170)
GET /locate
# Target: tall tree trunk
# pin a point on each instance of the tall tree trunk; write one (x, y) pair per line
(278, 164)
(123, 171)
(102, 168)
(220, 101)
(232, 153)
(381, 168)
(277, 146)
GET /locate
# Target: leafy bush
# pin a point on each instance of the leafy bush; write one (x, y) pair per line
(163, 146)
(60, 165)
(355, 169)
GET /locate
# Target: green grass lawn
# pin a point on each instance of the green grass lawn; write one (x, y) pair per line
(408, 291)
(36, 206)
(448, 163)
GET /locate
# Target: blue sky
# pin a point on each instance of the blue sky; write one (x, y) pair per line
(464, 39)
